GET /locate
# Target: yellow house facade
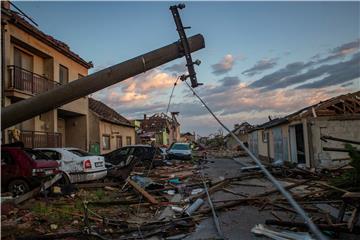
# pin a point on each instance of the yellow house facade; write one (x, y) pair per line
(108, 129)
(34, 62)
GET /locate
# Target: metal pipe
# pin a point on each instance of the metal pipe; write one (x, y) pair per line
(82, 87)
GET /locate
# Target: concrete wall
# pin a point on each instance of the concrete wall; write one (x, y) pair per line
(76, 129)
(114, 130)
(346, 129)
(94, 128)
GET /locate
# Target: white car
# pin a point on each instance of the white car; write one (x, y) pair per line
(79, 166)
(181, 151)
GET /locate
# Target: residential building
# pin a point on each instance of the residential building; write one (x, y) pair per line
(32, 63)
(240, 130)
(108, 129)
(299, 138)
(187, 137)
(161, 128)
(137, 125)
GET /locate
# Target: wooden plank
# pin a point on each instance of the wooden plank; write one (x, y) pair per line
(142, 192)
(35, 191)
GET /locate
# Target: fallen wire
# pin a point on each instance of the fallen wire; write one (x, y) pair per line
(171, 95)
(281, 189)
(216, 219)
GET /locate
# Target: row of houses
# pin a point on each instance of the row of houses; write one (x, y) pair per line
(34, 62)
(299, 137)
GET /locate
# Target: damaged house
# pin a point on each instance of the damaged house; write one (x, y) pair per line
(160, 128)
(300, 137)
(240, 130)
(109, 130)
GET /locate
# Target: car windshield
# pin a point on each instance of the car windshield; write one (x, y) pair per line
(180, 147)
(80, 153)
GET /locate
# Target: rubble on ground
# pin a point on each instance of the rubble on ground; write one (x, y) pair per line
(169, 201)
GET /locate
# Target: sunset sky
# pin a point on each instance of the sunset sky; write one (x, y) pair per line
(260, 59)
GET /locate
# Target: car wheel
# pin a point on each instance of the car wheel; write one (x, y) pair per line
(18, 187)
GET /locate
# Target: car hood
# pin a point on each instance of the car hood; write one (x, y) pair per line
(185, 152)
(46, 164)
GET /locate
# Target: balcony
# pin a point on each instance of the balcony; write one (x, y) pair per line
(33, 139)
(29, 82)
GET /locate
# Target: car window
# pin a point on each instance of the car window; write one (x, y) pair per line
(180, 147)
(138, 151)
(36, 154)
(52, 154)
(123, 151)
(80, 153)
(6, 158)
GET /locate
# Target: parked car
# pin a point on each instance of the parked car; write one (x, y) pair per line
(181, 151)
(78, 165)
(120, 157)
(23, 169)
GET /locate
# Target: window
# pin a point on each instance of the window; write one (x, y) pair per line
(52, 154)
(23, 60)
(265, 136)
(80, 153)
(106, 142)
(63, 74)
(128, 140)
(119, 143)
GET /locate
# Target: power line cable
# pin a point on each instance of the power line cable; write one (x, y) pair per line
(272, 179)
(171, 95)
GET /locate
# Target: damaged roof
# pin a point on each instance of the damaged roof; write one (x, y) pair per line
(15, 19)
(106, 113)
(342, 105)
(158, 122)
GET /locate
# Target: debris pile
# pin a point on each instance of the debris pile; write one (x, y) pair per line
(169, 201)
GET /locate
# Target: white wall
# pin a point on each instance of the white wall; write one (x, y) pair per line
(346, 129)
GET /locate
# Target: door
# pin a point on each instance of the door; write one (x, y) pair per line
(300, 144)
(254, 143)
(278, 144)
(23, 76)
(9, 169)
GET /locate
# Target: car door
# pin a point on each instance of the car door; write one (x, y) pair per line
(119, 155)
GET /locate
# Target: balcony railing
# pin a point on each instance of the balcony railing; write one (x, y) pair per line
(24, 80)
(33, 139)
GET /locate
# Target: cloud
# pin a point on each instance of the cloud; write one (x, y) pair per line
(342, 51)
(178, 68)
(329, 75)
(260, 66)
(224, 66)
(138, 94)
(244, 99)
(338, 73)
(229, 81)
(272, 78)
(304, 73)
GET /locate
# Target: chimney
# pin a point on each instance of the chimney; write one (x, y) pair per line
(144, 116)
(5, 5)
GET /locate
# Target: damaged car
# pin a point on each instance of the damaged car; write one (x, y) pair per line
(145, 154)
(24, 169)
(78, 165)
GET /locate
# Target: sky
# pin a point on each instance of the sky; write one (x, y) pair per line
(261, 58)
